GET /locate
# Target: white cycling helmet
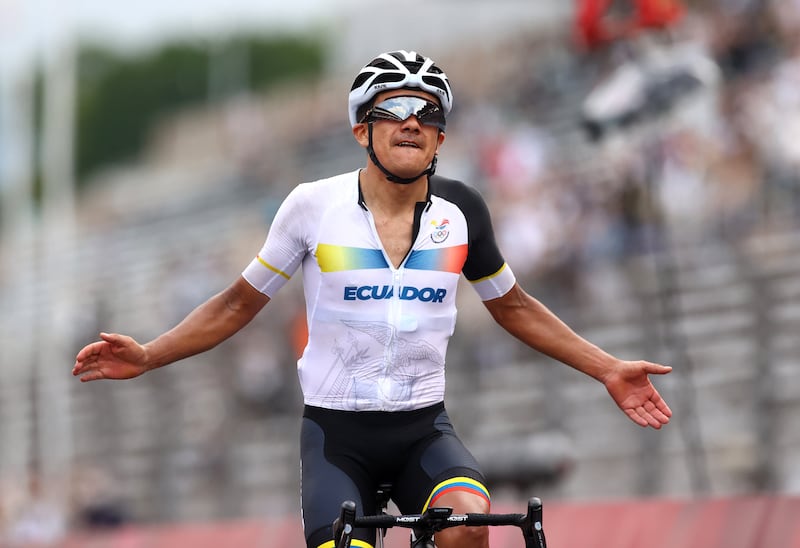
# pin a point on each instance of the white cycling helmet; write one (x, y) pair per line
(396, 70)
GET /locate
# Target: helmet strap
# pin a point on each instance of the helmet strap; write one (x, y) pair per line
(391, 176)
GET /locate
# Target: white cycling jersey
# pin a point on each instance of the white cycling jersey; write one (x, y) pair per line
(378, 334)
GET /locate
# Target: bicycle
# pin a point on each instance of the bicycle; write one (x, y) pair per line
(433, 520)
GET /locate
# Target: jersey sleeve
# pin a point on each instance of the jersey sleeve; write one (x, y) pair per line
(285, 247)
(485, 268)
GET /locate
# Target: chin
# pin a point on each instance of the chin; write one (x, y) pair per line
(408, 172)
(410, 168)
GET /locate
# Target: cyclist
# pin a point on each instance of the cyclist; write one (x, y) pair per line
(381, 250)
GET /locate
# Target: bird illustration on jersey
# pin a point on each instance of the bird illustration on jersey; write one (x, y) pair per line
(389, 376)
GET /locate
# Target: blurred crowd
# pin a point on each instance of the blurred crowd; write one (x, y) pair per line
(36, 515)
(721, 164)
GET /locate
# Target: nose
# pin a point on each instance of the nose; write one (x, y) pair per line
(411, 123)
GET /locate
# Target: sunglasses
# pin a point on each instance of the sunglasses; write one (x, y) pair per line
(400, 108)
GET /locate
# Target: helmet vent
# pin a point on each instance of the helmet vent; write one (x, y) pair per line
(405, 57)
(388, 77)
(360, 79)
(382, 64)
(437, 83)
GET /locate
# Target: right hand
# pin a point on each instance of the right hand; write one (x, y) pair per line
(114, 357)
(630, 387)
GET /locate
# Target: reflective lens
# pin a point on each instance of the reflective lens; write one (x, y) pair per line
(400, 108)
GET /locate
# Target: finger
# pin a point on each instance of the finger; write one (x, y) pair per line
(84, 365)
(112, 338)
(92, 376)
(80, 366)
(657, 369)
(89, 350)
(648, 418)
(659, 415)
(656, 418)
(636, 417)
(662, 406)
(643, 416)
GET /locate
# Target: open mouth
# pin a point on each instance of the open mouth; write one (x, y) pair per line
(411, 144)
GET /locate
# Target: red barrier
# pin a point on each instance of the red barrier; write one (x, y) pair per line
(284, 533)
(746, 522)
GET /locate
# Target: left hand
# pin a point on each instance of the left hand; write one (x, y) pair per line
(630, 387)
(115, 356)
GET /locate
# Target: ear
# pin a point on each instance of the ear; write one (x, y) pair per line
(361, 133)
(441, 140)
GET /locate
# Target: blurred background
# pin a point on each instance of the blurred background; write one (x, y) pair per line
(641, 159)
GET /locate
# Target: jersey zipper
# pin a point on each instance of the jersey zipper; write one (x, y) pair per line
(393, 312)
(395, 309)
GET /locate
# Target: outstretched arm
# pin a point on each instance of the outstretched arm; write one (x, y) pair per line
(627, 382)
(118, 356)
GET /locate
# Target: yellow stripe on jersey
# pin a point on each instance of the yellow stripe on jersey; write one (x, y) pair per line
(494, 285)
(490, 276)
(270, 267)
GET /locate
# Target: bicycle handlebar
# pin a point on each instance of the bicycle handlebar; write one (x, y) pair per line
(436, 519)
(437, 522)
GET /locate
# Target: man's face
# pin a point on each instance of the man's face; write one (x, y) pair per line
(404, 147)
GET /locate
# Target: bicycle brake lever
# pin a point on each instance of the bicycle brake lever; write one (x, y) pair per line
(532, 528)
(343, 525)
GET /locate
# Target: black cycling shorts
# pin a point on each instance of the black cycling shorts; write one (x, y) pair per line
(346, 455)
